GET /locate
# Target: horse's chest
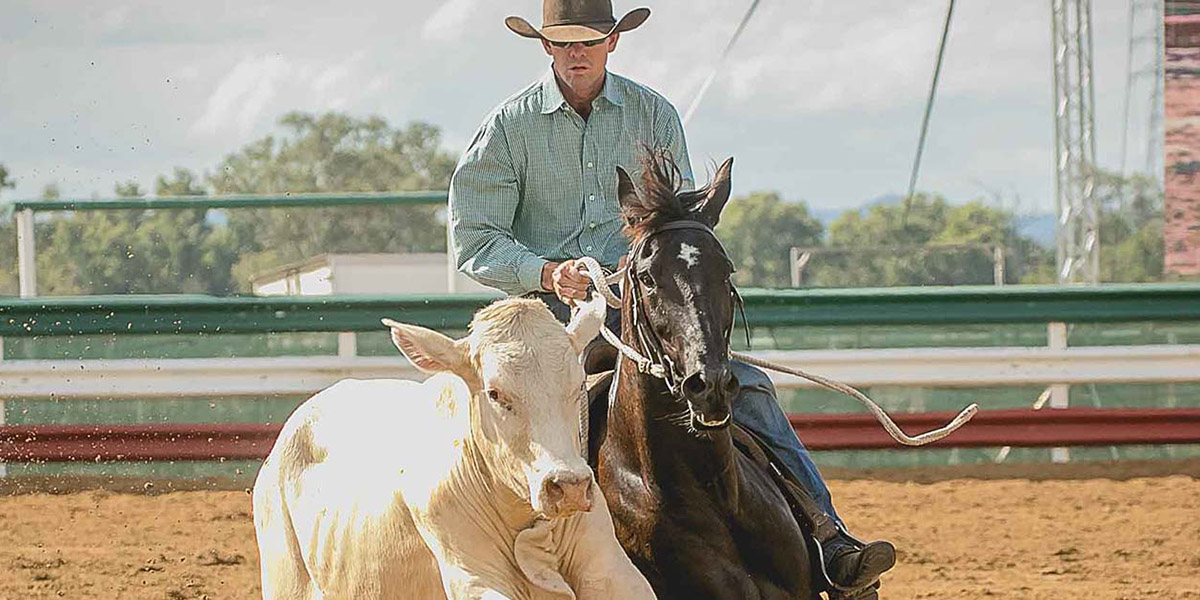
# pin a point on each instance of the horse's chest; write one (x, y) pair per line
(702, 548)
(697, 560)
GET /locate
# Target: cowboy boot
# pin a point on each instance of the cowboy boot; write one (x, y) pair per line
(856, 567)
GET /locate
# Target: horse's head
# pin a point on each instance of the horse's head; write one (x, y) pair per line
(679, 300)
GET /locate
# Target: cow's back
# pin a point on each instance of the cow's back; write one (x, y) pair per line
(338, 491)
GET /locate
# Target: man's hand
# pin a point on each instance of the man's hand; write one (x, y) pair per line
(568, 280)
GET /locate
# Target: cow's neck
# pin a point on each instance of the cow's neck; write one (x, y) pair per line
(489, 486)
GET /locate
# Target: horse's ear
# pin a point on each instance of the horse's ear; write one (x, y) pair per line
(718, 194)
(626, 192)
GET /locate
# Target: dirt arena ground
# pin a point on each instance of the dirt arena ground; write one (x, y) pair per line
(1022, 532)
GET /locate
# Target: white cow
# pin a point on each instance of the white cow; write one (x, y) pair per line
(470, 485)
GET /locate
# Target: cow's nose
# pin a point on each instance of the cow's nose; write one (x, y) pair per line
(568, 492)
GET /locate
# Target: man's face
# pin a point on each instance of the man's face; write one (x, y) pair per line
(579, 66)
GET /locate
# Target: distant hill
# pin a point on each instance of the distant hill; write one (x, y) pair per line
(1037, 227)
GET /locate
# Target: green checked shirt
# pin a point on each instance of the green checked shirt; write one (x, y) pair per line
(539, 183)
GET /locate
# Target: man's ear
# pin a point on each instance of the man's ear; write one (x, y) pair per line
(429, 350)
(627, 195)
(718, 195)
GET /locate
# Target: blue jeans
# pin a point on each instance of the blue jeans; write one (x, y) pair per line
(757, 409)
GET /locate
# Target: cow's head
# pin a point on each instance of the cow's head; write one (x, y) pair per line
(522, 367)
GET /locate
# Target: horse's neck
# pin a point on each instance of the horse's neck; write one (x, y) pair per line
(654, 428)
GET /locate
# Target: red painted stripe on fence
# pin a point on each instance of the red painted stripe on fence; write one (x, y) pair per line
(1020, 428)
(1025, 428)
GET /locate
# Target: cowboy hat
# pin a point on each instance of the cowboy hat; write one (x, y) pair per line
(577, 21)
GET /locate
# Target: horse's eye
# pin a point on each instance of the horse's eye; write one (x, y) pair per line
(646, 280)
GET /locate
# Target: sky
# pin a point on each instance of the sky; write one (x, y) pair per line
(821, 100)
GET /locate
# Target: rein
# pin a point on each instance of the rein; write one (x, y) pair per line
(666, 372)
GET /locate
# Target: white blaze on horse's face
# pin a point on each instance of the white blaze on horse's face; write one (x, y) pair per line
(526, 380)
(689, 254)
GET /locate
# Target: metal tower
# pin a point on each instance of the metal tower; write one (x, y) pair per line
(1078, 251)
(1145, 63)
(1155, 133)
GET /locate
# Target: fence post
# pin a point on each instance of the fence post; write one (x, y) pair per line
(998, 273)
(347, 344)
(26, 254)
(3, 466)
(1060, 393)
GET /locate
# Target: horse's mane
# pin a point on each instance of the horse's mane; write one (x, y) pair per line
(660, 199)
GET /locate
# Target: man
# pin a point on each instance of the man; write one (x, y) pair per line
(537, 189)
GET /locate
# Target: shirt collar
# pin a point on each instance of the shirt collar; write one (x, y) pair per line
(552, 97)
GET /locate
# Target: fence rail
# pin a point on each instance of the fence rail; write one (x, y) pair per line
(101, 315)
(1017, 428)
(295, 376)
(424, 198)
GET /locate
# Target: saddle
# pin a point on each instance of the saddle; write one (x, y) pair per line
(599, 362)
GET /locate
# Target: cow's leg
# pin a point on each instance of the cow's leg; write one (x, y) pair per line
(283, 572)
(460, 584)
(599, 569)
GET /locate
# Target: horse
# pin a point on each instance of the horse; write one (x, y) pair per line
(698, 517)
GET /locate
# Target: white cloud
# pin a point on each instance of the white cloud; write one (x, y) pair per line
(239, 100)
(336, 74)
(260, 88)
(448, 22)
(113, 18)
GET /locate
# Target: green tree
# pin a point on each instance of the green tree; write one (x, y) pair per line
(334, 153)
(1131, 231)
(885, 247)
(136, 251)
(759, 230)
(5, 181)
(8, 240)
(1131, 228)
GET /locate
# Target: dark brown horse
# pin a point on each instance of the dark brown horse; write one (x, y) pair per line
(697, 517)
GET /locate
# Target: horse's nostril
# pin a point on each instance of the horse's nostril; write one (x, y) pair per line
(694, 385)
(731, 384)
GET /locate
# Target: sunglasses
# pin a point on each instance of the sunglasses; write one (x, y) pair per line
(587, 44)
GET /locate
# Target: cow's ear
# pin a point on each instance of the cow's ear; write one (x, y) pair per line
(427, 349)
(586, 322)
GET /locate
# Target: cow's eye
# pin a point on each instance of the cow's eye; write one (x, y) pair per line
(496, 397)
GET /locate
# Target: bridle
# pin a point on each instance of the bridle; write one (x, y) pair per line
(650, 344)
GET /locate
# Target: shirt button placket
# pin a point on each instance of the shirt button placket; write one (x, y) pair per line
(589, 209)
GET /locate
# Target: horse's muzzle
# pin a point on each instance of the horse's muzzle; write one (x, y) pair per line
(710, 393)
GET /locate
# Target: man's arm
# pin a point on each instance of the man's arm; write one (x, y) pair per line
(484, 194)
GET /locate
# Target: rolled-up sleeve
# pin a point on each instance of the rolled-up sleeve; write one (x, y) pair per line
(484, 196)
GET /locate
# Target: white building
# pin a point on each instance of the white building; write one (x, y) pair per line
(345, 274)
